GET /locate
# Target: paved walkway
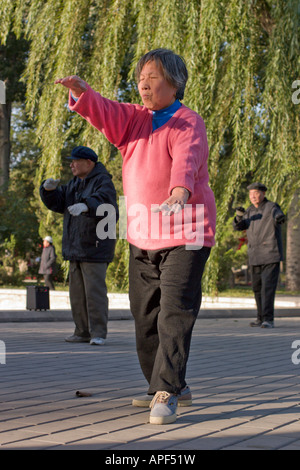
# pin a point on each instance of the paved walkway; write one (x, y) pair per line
(13, 307)
(245, 385)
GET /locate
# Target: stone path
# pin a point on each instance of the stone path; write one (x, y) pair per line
(245, 384)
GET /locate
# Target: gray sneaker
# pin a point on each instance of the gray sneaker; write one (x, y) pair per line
(184, 399)
(163, 408)
(98, 341)
(267, 324)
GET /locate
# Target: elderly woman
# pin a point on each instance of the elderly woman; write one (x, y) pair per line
(164, 148)
(48, 262)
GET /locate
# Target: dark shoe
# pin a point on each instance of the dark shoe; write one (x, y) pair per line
(267, 324)
(256, 323)
(77, 339)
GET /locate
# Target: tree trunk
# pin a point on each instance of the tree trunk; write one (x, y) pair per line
(293, 245)
(5, 115)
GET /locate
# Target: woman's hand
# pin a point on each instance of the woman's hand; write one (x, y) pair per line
(74, 83)
(174, 203)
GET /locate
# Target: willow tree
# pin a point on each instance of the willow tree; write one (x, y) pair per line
(242, 57)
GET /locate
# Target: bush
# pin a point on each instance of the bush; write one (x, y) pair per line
(10, 273)
(231, 255)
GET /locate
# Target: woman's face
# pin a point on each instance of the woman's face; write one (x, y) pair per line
(156, 92)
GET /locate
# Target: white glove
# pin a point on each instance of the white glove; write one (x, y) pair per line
(78, 208)
(240, 211)
(50, 184)
(175, 203)
(166, 209)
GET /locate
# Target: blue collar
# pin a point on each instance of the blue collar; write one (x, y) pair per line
(159, 118)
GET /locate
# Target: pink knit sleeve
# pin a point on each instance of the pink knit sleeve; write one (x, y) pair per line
(189, 152)
(111, 118)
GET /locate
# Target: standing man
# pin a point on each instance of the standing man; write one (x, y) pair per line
(262, 221)
(89, 256)
(48, 262)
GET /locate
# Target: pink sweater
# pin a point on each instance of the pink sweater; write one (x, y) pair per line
(153, 164)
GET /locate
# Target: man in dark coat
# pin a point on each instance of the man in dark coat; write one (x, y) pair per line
(84, 201)
(262, 222)
(48, 262)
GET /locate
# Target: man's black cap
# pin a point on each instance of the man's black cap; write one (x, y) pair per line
(259, 186)
(83, 152)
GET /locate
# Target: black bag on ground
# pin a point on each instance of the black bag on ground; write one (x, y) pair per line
(37, 298)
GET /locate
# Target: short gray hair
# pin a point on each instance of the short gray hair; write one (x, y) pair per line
(173, 66)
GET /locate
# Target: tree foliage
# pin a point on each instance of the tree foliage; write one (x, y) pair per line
(242, 57)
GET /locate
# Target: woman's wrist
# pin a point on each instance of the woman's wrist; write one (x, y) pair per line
(181, 192)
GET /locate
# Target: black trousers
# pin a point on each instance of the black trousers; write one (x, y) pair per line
(264, 283)
(165, 296)
(49, 281)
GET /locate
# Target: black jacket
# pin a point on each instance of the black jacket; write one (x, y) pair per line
(263, 232)
(80, 241)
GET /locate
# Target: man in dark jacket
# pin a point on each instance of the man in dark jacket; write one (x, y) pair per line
(262, 222)
(80, 201)
(48, 262)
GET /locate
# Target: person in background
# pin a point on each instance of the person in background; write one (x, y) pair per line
(165, 179)
(262, 222)
(89, 256)
(48, 262)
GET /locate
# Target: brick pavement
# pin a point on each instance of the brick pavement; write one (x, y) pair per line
(245, 389)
